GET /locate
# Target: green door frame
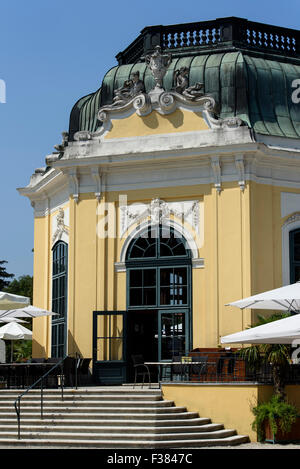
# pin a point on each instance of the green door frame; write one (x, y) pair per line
(110, 371)
(173, 311)
(186, 308)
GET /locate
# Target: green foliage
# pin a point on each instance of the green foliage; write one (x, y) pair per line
(274, 317)
(4, 276)
(252, 355)
(22, 350)
(22, 286)
(280, 415)
(277, 355)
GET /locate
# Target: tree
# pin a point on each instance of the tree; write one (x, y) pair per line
(22, 286)
(277, 355)
(4, 276)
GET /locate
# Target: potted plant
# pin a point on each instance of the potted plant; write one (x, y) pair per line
(274, 420)
(275, 355)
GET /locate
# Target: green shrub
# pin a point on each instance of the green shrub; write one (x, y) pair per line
(279, 413)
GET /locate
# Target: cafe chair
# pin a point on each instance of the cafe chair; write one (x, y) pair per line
(84, 370)
(177, 370)
(200, 368)
(140, 369)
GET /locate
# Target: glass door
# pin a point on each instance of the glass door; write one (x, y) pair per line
(109, 334)
(173, 334)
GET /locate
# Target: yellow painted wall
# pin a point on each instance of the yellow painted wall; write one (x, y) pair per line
(241, 251)
(229, 405)
(41, 292)
(155, 123)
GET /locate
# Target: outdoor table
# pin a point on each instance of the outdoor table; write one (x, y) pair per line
(170, 363)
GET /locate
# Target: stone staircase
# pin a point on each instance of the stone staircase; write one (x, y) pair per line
(116, 417)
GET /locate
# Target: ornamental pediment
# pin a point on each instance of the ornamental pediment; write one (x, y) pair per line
(132, 98)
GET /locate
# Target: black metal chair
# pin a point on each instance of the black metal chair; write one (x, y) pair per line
(36, 371)
(200, 368)
(220, 367)
(83, 370)
(4, 372)
(140, 369)
(53, 377)
(69, 371)
(177, 369)
(231, 365)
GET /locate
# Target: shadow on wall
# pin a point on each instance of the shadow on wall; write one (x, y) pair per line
(176, 119)
(39, 351)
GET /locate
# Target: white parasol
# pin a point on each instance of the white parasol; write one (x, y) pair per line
(11, 301)
(26, 312)
(14, 331)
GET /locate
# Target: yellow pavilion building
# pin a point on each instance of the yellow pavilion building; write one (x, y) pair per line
(175, 191)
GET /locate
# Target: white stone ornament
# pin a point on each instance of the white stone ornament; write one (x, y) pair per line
(158, 64)
(159, 212)
(61, 228)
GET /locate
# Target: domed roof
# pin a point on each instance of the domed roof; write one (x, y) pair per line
(246, 82)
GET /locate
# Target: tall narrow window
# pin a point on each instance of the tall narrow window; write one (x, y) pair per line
(59, 299)
(294, 256)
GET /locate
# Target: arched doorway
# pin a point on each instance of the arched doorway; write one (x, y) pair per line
(158, 318)
(159, 294)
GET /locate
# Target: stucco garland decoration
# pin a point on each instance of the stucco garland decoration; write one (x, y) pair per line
(61, 228)
(159, 212)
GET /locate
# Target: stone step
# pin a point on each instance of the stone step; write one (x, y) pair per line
(81, 397)
(51, 426)
(104, 415)
(83, 392)
(91, 409)
(124, 436)
(115, 444)
(87, 403)
(106, 418)
(116, 422)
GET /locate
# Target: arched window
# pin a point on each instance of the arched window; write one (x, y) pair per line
(158, 242)
(158, 264)
(59, 298)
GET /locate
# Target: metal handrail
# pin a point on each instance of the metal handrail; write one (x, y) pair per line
(17, 403)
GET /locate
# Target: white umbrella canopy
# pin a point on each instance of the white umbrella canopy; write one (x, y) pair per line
(6, 319)
(285, 298)
(26, 312)
(14, 331)
(282, 331)
(11, 301)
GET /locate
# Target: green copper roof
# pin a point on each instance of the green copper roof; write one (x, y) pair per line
(258, 90)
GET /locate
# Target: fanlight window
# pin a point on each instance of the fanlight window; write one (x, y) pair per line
(158, 242)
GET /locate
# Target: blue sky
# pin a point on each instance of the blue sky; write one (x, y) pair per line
(55, 51)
